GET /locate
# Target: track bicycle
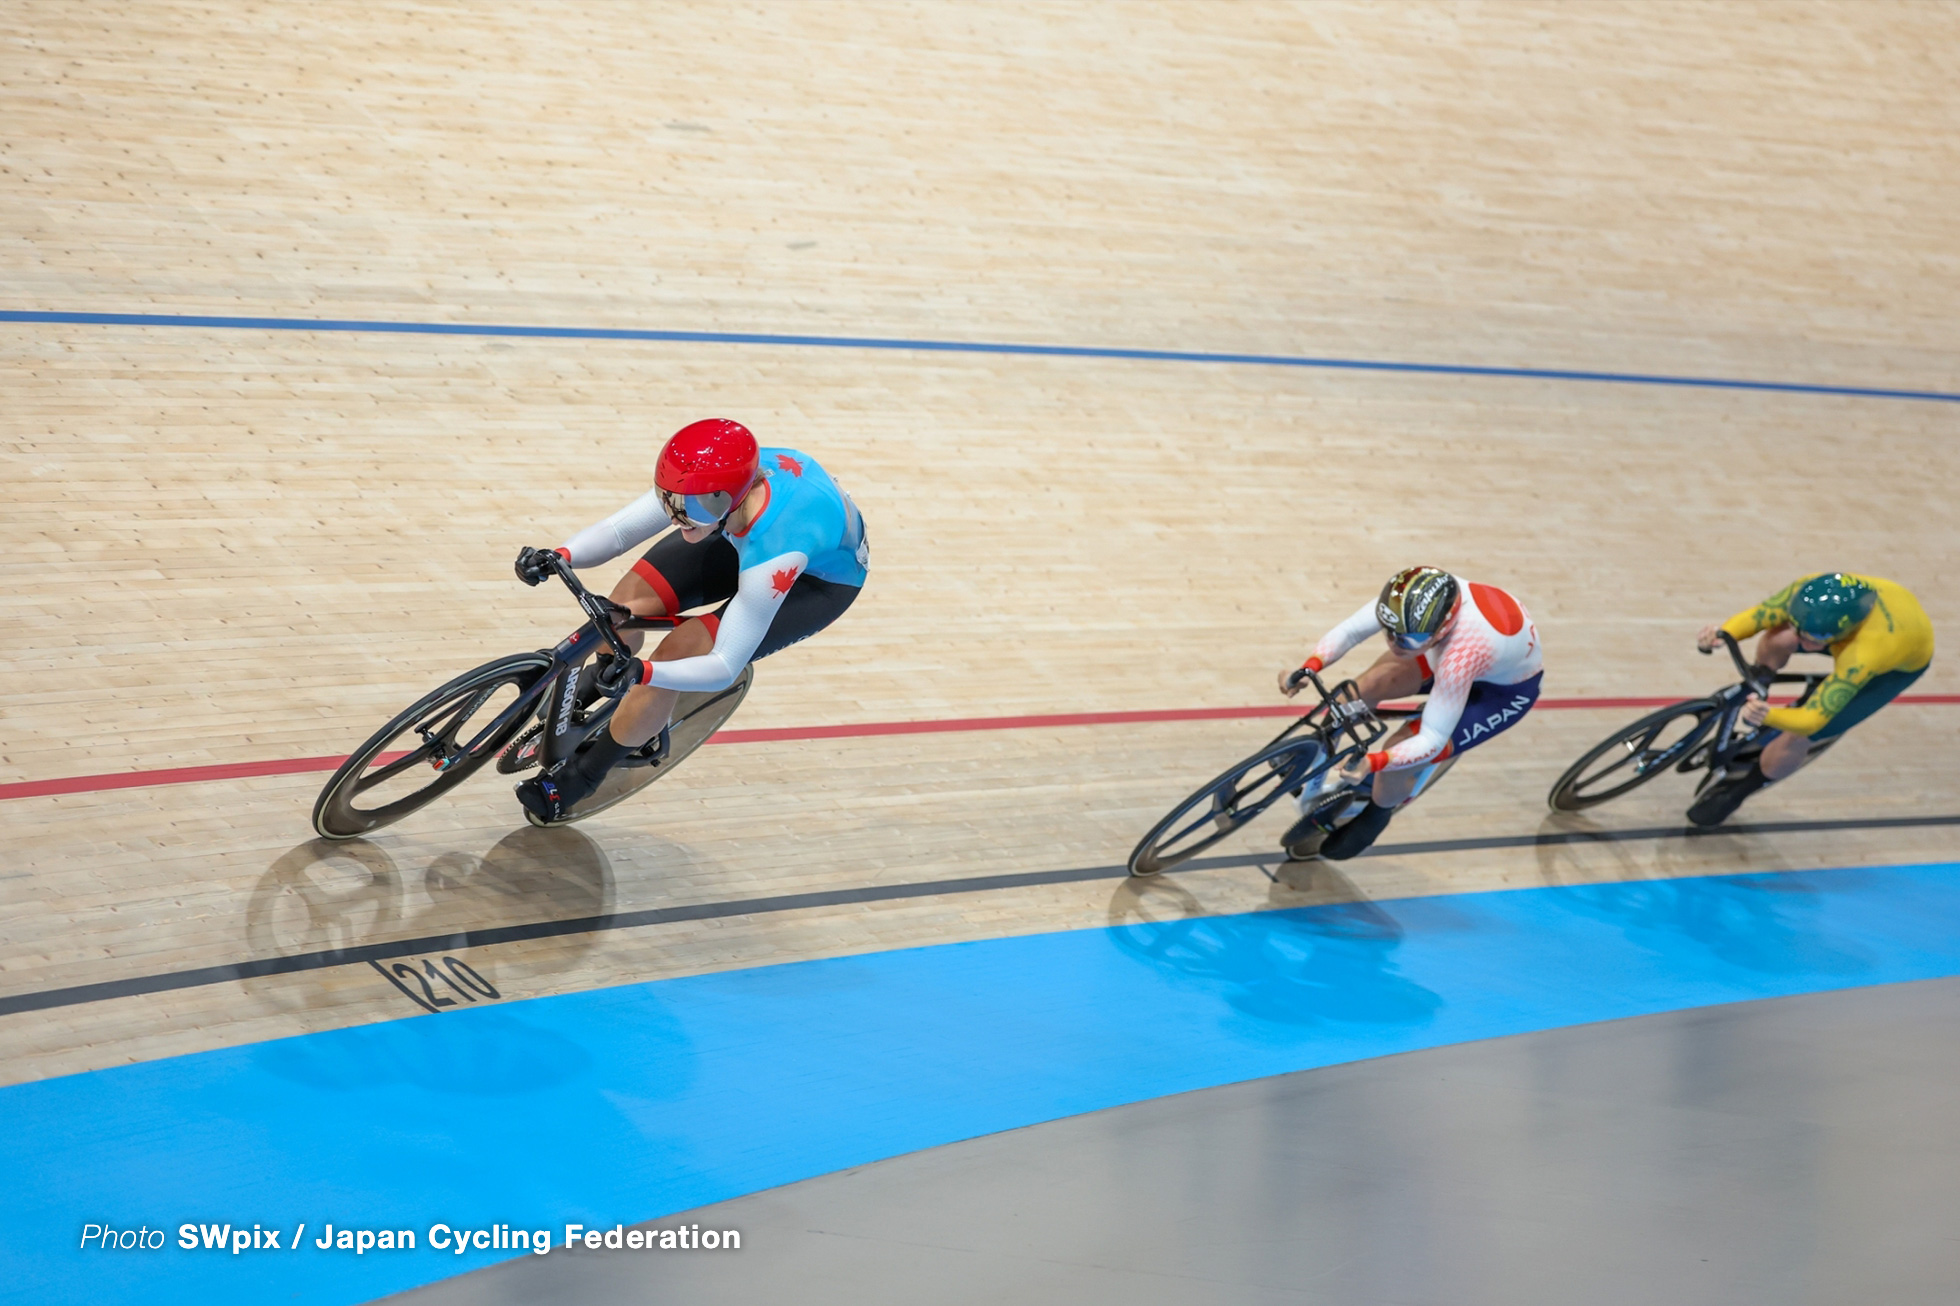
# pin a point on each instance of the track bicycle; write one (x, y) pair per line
(1338, 728)
(1696, 734)
(447, 735)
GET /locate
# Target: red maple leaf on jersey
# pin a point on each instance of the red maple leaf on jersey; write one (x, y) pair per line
(782, 580)
(790, 465)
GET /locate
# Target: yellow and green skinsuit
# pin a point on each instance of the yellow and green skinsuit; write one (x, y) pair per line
(1897, 636)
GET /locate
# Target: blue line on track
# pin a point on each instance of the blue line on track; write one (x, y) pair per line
(632, 1103)
(956, 347)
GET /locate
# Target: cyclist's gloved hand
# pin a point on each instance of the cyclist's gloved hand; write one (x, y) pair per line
(1354, 772)
(1707, 638)
(1291, 681)
(621, 674)
(1754, 710)
(533, 565)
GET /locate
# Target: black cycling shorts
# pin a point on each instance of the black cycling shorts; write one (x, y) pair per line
(689, 576)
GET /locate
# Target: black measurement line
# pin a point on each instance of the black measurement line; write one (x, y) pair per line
(203, 976)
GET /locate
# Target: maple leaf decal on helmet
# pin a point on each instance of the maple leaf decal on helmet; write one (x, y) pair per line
(782, 580)
(790, 465)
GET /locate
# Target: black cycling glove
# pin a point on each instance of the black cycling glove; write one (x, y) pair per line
(621, 674)
(533, 565)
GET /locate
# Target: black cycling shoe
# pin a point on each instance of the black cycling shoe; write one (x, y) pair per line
(1354, 838)
(1302, 840)
(1719, 801)
(550, 799)
(1304, 837)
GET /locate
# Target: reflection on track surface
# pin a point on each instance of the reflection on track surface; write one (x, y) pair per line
(1795, 1150)
(626, 1104)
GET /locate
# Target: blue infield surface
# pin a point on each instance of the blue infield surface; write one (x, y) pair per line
(627, 1104)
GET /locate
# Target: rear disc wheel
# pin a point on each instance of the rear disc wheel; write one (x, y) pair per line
(696, 717)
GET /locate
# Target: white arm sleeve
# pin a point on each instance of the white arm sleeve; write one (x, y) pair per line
(1334, 645)
(639, 520)
(1464, 660)
(758, 596)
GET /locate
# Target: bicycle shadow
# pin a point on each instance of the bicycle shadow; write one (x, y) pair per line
(1329, 964)
(331, 895)
(1660, 894)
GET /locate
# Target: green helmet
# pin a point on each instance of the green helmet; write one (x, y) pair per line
(1827, 608)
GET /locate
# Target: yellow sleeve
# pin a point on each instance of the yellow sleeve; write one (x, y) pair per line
(1830, 698)
(1772, 612)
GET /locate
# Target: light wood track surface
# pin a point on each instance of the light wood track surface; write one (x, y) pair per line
(229, 546)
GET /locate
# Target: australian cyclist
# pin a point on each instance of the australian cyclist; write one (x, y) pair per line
(766, 539)
(1472, 648)
(1880, 641)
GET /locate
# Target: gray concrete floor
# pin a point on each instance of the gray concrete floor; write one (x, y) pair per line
(1778, 1153)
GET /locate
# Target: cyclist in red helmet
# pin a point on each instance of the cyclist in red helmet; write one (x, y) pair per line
(766, 542)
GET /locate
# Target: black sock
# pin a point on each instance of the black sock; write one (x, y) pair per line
(1749, 781)
(598, 757)
(1354, 837)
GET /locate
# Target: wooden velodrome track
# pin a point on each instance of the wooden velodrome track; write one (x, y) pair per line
(243, 544)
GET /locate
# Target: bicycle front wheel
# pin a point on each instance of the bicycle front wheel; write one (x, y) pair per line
(1633, 756)
(1231, 800)
(427, 750)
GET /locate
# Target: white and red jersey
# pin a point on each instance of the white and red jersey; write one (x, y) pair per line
(1491, 640)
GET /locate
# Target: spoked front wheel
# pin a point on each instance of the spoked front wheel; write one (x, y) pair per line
(1634, 756)
(428, 750)
(1228, 803)
(696, 716)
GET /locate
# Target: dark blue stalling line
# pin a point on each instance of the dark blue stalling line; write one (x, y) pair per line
(950, 347)
(627, 1104)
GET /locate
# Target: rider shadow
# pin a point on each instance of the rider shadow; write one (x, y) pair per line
(529, 875)
(1324, 965)
(1769, 924)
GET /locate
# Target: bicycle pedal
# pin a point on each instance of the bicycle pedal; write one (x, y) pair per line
(651, 753)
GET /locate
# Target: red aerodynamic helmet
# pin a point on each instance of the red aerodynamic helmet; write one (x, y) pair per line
(705, 469)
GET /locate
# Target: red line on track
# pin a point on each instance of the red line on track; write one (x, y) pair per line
(82, 784)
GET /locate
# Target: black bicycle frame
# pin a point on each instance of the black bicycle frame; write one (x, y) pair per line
(1728, 741)
(605, 620)
(1344, 712)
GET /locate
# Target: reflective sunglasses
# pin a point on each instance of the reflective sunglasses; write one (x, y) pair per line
(697, 510)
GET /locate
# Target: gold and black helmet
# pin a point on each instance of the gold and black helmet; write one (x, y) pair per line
(1416, 605)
